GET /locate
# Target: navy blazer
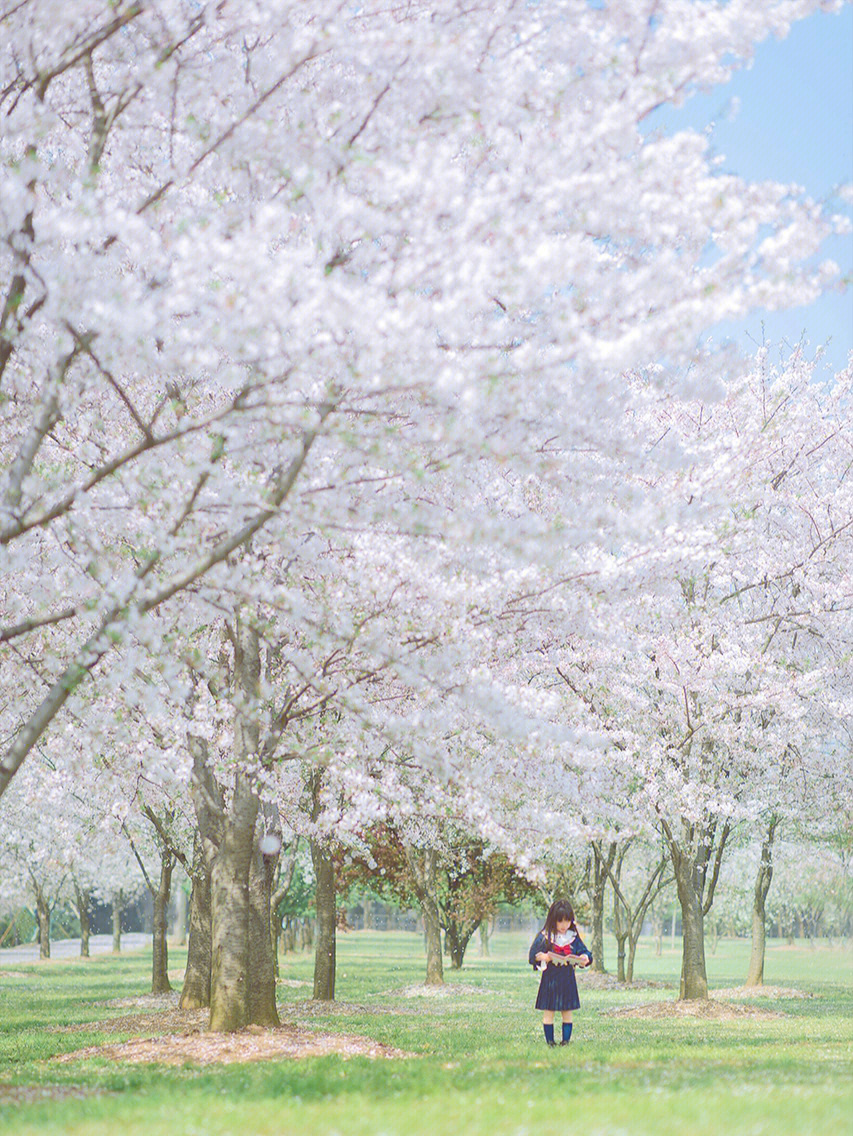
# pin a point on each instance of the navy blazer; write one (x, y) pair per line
(543, 943)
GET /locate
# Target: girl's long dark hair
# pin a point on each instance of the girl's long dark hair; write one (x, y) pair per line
(557, 912)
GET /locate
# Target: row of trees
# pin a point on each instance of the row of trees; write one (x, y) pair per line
(457, 883)
(363, 470)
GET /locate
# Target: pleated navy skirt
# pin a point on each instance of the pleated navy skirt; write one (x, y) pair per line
(558, 989)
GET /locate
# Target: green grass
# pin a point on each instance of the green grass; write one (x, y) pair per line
(481, 1067)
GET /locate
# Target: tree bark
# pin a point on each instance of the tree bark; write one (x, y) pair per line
(432, 935)
(694, 978)
(229, 908)
(81, 902)
(621, 934)
(117, 908)
(160, 962)
(423, 869)
(232, 1001)
(261, 985)
(196, 989)
(181, 909)
(629, 966)
(43, 917)
(457, 939)
(755, 974)
(325, 946)
(306, 935)
(597, 882)
(484, 938)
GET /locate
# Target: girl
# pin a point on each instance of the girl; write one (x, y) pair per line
(556, 951)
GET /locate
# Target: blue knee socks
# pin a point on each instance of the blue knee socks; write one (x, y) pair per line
(567, 1032)
(549, 1033)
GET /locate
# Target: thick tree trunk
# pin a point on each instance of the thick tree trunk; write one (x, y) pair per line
(160, 962)
(694, 979)
(43, 917)
(229, 909)
(81, 902)
(118, 901)
(325, 946)
(196, 989)
(231, 1002)
(261, 986)
(432, 936)
(453, 946)
(755, 974)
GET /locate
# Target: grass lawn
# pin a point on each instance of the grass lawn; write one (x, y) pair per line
(480, 1065)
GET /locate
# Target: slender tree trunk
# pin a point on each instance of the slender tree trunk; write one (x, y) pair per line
(755, 974)
(629, 967)
(714, 936)
(484, 938)
(118, 899)
(597, 883)
(196, 989)
(306, 935)
(289, 937)
(286, 868)
(275, 928)
(181, 910)
(43, 916)
(423, 869)
(81, 902)
(160, 963)
(325, 946)
(368, 913)
(694, 979)
(620, 956)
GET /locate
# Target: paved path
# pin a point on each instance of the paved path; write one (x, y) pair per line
(70, 948)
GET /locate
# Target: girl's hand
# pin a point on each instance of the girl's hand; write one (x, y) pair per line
(542, 956)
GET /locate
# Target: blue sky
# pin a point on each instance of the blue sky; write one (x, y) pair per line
(791, 121)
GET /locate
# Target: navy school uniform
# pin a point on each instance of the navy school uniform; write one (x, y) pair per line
(558, 988)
